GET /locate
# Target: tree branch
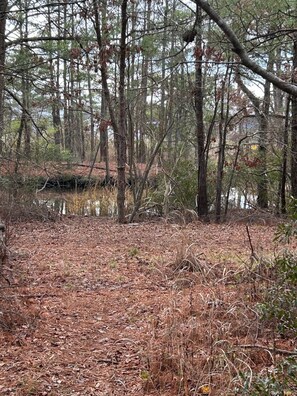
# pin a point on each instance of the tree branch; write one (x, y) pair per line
(255, 101)
(37, 39)
(272, 350)
(239, 49)
(26, 111)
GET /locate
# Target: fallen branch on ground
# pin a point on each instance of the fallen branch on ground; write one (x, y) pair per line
(272, 350)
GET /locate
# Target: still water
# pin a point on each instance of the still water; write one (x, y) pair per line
(103, 202)
(241, 200)
(97, 203)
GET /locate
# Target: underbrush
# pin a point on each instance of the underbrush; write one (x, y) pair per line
(278, 306)
(196, 348)
(21, 203)
(17, 313)
(239, 340)
(25, 208)
(278, 380)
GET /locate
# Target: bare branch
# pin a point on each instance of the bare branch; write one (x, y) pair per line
(26, 111)
(239, 49)
(37, 39)
(272, 350)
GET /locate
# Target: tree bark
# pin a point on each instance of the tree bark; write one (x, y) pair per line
(141, 147)
(25, 85)
(118, 128)
(54, 83)
(283, 178)
(294, 124)
(262, 115)
(122, 132)
(66, 113)
(103, 127)
(163, 112)
(3, 9)
(262, 199)
(202, 201)
(222, 141)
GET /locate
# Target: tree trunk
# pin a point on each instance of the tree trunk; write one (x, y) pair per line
(120, 134)
(104, 143)
(262, 115)
(80, 121)
(103, 127)
(294, 124)
(25, 86)
(27, 125)
(202, 202)
(66, 114)
(171, 97)
(142, 114)
(3, 9)
(283, 178)
(121, 137)
(222, 142)
(19, 142)
(54, 84)
(163, 112)
(92, 121)
(262, 198)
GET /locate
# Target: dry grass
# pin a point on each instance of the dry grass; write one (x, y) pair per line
(189, 259)
(185, 216)
(198, 340)
(194, 348)
(16, 310)
(24, 207)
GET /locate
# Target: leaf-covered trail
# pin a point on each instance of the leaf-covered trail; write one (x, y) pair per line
(95, 291)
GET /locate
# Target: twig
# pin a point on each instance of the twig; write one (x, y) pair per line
(43, 187)
(253, 254)
(29, 296)
(272, 350)
(107, 361)
(27, 112)
(91, 166)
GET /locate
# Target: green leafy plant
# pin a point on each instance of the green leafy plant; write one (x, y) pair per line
(277, 381)
(177, 188)
(288, 230)
(52, 152)
(279, 306)
(280, 300)
(278, 311)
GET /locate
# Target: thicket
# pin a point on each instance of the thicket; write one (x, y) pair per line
(278, 312)
(245, 345)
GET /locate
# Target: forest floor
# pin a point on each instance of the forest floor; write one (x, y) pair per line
(98, 308)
